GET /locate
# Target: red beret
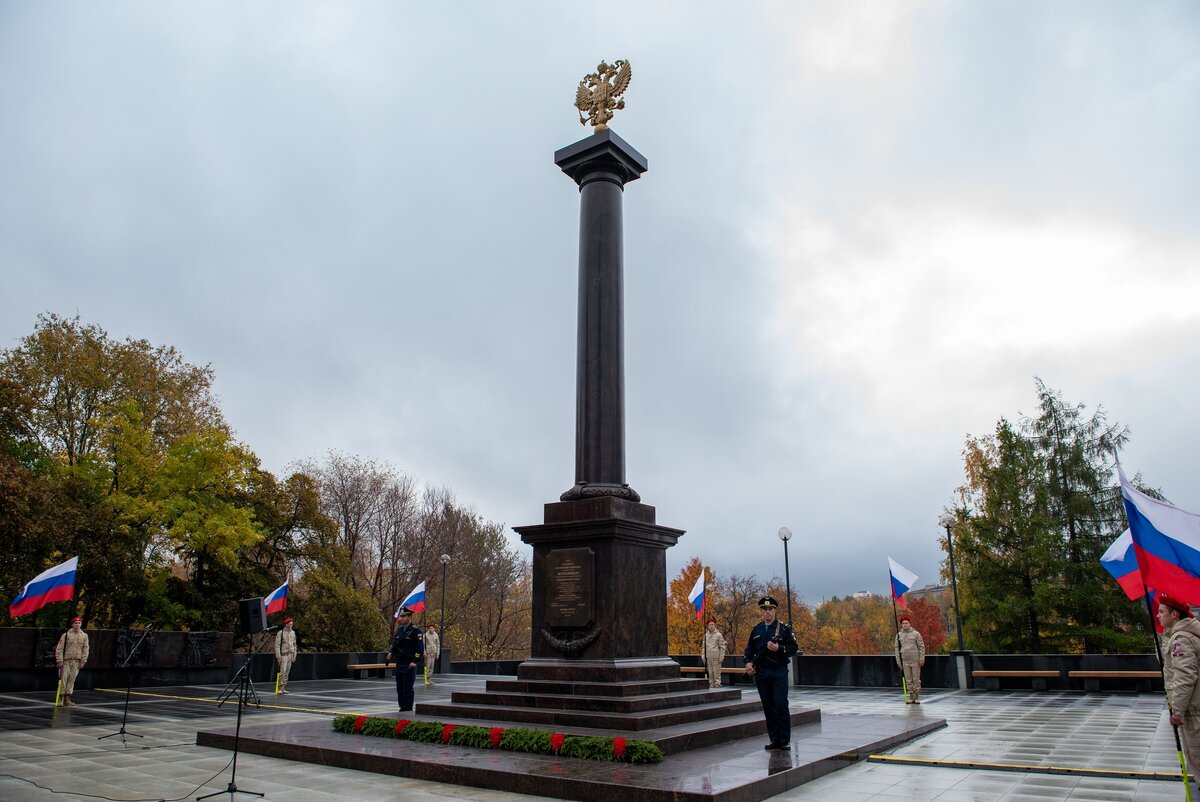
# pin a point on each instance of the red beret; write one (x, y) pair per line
(287, 621)
(906, 617)
(76, 618)
(1175, 604)
(431, 626)
(711, 621)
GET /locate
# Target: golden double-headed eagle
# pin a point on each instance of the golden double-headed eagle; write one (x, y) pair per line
(597, 93)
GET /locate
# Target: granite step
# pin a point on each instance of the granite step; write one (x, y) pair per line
(602, 720)
(622, 704)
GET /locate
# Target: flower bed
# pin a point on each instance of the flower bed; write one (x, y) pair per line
(513, 739)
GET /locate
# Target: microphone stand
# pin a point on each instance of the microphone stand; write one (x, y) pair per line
(128, 686)
(243, 687)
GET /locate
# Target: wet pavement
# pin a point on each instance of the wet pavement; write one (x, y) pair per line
(1043, 745)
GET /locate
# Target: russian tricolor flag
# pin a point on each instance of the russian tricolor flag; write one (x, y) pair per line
(53, 584)
(1166, 541)
(276, 602)
(696, 597)
(1121, 562)
(414, 601)
(902, 580)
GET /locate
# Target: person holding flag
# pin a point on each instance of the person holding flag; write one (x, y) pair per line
(901, 579)
(70, 655)
(713, 653)
(910, 658)
(433, 648)
(1181, 673)
(285, 654)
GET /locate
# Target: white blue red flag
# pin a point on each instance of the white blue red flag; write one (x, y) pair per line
(53, 584)
(1166, 541)
(414, 601)
(1121, 562)
(696, 597)
(902, 580)
(276, 601)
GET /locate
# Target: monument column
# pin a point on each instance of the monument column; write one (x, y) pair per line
(599, 558)
(601, 165)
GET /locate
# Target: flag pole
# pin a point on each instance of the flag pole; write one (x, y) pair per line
(703, 626)
(1187, 786)
(896, 624)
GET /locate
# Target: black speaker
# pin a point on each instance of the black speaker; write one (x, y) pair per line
(254, 615)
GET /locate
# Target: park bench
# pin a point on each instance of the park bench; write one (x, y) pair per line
(1091, 679)
(733, 673)
(992, 678)
(374, 669)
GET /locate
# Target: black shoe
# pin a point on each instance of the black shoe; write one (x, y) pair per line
(781, 747)
(770, 745)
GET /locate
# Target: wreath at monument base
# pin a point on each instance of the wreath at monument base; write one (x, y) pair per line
(512, 739)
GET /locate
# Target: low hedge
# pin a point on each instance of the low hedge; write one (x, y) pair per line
(513, 739)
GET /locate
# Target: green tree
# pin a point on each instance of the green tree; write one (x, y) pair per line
(1033, 517)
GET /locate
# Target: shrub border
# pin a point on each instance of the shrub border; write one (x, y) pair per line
(513, 739)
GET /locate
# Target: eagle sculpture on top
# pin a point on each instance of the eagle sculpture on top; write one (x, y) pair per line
(597, 93)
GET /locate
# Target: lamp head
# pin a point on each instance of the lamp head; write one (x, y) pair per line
(785, 534)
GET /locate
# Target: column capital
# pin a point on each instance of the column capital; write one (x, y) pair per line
(602, 151)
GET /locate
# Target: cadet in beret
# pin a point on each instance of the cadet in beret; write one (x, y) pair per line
(433, 647)
(1181, 672)
(910, 657)
(71, 654)
(772, 646)
(285, 652)
(406, 650)
(713, 653)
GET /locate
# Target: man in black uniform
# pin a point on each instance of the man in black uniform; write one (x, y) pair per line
(406, 651)
(772, 646)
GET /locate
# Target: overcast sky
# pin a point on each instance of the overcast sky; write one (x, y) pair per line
(865, 228)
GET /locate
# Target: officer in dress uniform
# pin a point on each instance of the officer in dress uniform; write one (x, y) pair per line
(1181, 674)
(772, 646)
(406, 650)
(910, 658)
(285, 652)
(71, 654)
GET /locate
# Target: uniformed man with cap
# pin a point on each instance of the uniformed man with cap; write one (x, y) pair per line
(285, 652)
(433, 647)
(910, 657)
(406, 651)
(1181, 674)
(772, 646)
(70, 655)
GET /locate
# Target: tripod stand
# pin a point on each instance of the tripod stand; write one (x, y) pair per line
(129, 685)
(243, 687)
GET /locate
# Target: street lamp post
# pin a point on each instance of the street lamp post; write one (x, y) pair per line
(445, 558)
(785, 535)
(953, 580)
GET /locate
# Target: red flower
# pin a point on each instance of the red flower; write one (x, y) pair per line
(496, 734)
(400, 725)
(359, 722)
(619, 748)
(449, 728)
(556, 741)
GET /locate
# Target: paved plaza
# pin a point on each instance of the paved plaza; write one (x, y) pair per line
(1116, 742)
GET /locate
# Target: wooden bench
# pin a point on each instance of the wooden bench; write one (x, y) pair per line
(993, 677)
(733, 673)
(1091, 679)
(374, 669)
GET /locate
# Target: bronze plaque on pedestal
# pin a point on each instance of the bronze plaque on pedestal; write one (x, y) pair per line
(571, 598)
